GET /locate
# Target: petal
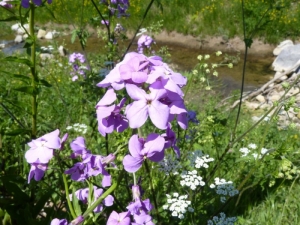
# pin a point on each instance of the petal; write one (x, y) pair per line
(109, 97)
(154, 143)
(137, 114)
(135, 92)
(156, 156)
(135, 146)
(139, 77)
(159, 114)
(131, 164)
(109, 200)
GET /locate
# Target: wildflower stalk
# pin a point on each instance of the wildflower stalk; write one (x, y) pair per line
(104, 195)
(34, 77)
(68, 196)
(153, 192)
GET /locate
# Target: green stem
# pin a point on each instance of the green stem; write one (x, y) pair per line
(104, 195)
(67, 197)
(34, 77)
(153, 192)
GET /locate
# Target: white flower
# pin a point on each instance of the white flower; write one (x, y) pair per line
(252, 146)
(218, 53)
(178, 205)
(206, 56)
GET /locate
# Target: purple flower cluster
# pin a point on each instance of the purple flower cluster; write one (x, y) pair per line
(118, 7)
(144, 41)
(155, 91)
(90, 165)
(41, 152)
(139, 209)
(83, 194)
(26, 3)
(4, 3)
(77, 60)
(76, 221)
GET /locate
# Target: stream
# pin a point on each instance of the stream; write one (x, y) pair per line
(258, 70)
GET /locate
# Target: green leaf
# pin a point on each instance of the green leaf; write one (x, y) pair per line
(25, 89)
(16, 192)
(22, 77)
(75, 203)
(41, 203)
(18, 60)
(17, 132)
(73, 37)
(45, 83)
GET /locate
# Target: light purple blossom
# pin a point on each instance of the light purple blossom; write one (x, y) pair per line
(152, 148)
(83, 194)
(122, 218)
(5, 4)
(105, 22)
(79, 148)
(37, 171)
(25, 3)
(142, 220)
(144, 41)
(59, 222)
(77, 61)
(145, 105)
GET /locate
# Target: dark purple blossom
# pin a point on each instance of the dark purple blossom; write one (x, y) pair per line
(5, 4)
(110, 117)
(26, 3)
(152, 148)
(170, 140)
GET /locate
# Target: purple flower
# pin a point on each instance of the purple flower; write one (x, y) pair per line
(122, 218)
(146, 105)
(77, 221)
(105, 22)
(140, 207)
(79, 148)
(4, 3)
(143, 219)
(25, 3)
(110, 117)
(83, 194)
(170, 138)
(37, 171)
(59, 222)
(140, 149)
(144, 41)
(132, 71)
(77, 61)
(41, 149)
(192, 117)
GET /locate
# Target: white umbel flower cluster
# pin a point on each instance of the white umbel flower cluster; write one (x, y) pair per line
(191, 179)
(178, 205)
(245, 151)
(224, 188)
(198, 159)
(169, 165)
(222, 220)
(81, 128)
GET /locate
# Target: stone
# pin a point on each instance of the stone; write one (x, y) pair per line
(15, 27)
(260, 98)
(275, 96)
(288, 60)
(41, 34)
(2, 46)
(281, 46)
(49, 35)
(19, 38)
(62, 51)
(251, 105)
(46, 56)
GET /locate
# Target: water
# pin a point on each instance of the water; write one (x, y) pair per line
(258, 70)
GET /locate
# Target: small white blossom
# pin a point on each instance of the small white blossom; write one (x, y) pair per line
(191, 179)
(178, 205)
(218, 53)
(206, 56)
(252, 146)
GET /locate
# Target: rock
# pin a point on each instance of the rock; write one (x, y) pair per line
(25, 36)
(41, 34)
(62, 51)
(15, 27)
(21, 30)
(19, 38)
(260, 98)
(275, 96)
(2, 46)
(51, 34)
(251, 105)
(281, 46)
(288, 60)
(46, 56)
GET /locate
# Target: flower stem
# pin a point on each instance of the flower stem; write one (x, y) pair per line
(153, 192)
(34, 77)
(68, 197)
